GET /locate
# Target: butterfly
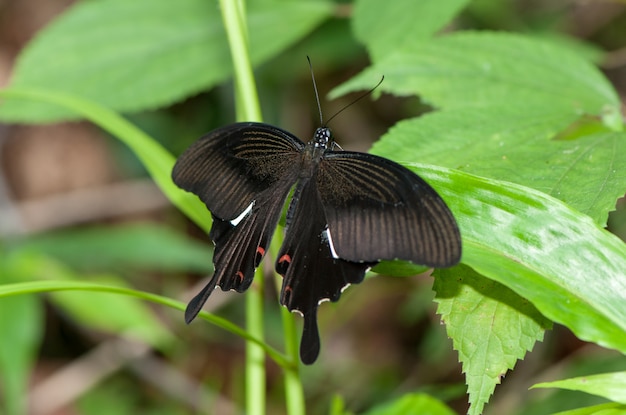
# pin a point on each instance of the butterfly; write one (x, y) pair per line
(349, 210)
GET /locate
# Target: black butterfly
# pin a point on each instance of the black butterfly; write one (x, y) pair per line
(349, 210)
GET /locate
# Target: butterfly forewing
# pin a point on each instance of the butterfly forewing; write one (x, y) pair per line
(229, 167)
(377, 209)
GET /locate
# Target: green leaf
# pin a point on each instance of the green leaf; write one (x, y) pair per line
(412, 404)
(585, 166)
(611, 386)
(605, 409)
(142, 54)
(572, 271)
(491, 327)
(481, 69)
(337, 406)
(398, 268)
(123, 247)
(400, 22)
(515, 109)
(21, 328)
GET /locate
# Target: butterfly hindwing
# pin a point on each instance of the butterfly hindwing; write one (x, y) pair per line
(310, 272)
(377, 209)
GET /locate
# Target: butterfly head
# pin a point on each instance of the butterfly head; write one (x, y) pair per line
(322, 137)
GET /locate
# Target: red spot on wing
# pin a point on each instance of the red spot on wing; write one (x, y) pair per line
(283, 263)
(285, 259)
(260, 252)
(240, 275)
(286, 295)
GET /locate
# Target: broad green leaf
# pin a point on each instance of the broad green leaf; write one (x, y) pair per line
(585, 166)
(477, 69)
(153, 156)
(142, 54)
(588, 51)
(491, 327)
(611, 386)
(604, 409)
(400, 22)
(515, 109)
(571, 270)
(412, 404)
(123, 248)
(21, 329)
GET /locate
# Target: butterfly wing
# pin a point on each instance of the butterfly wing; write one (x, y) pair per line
(243, 173)
(311, 274)
(377, 209)
(229, 167)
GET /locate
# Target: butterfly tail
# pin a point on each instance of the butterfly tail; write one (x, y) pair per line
(310, 344)
(196, 303)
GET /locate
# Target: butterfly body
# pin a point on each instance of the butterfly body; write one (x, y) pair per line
(348, 211)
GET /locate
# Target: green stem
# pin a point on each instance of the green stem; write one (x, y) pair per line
(294, 394)
(255, 355)
(233, 15)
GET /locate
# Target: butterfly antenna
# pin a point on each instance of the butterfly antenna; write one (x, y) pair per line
(357, 99)
(317, 97)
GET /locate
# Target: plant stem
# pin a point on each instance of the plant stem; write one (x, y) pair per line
(233, 15)
(294, 395)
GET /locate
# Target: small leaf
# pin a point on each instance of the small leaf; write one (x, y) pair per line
(412, 404)
(611, 386)
(604, 409)
(491, 327)
(399, 268)
(400, 23)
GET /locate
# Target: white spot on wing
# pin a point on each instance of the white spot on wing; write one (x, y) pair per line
(239, 218)
(326, 235)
